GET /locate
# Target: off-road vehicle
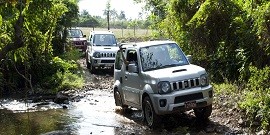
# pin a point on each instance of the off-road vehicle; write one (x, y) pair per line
(77, 38)
(101, 50)
(157, 78)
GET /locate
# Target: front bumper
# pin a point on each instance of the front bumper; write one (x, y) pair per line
(177, 100)
(102, 62)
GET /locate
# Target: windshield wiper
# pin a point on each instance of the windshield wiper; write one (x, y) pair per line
(171, 65)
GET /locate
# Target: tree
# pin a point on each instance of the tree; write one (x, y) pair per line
(224, 36)
(122, 15)
(27, 39)
(107, 13)
(86, 20)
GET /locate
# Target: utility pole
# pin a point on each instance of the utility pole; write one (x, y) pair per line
(108, 19)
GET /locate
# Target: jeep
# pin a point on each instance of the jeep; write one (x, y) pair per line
(76, 38)
(157, 78)
(101, 50)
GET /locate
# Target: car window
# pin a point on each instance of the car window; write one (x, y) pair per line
(118, 61)
(162, 56)
(75, 33)
(104, 40)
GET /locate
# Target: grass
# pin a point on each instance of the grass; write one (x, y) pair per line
(119, 33)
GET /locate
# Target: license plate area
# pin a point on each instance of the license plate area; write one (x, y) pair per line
(190, 104)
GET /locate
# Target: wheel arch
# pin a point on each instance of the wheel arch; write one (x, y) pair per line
(148, 91)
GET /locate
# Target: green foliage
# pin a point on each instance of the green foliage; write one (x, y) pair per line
(256, 106)
(64, 75)
(40, 38)
(225, 88)
(63, 65)
(72, 55)
(256, 101)
(223, 36)
(67, 20)
(70, 80)
(259, 78)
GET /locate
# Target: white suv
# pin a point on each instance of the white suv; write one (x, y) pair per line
(157, 78)
(101, 50)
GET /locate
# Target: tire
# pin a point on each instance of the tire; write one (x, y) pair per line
(88, 65)
(152, 119)
(92, 69)
(203, 113)
(118, 100)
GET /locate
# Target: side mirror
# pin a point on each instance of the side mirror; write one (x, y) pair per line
(84, 36)
(132, 68)
(189, 57)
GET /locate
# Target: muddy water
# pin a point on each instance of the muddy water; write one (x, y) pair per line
(93, 114)
(97, 114)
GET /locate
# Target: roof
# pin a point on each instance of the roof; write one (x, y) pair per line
(147, 43)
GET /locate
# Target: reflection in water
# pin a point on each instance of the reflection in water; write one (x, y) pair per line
(94, 114)
(31, 123)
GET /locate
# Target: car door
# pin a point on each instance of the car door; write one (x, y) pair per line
(132, 81)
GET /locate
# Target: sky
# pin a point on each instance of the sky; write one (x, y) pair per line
(97, 7)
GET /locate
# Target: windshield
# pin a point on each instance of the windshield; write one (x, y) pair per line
(75, 33)
(162, 56)
(104, 40)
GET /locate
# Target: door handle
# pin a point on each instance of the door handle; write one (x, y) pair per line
(125, 77)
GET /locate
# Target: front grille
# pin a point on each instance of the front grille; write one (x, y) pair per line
(185, 98)
(107, 61)
(112, 55)
(185, 84)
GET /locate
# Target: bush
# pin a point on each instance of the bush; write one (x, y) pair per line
(65, 75)
(256, 103)
(64, 80)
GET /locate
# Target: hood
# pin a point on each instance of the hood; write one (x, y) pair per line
(177, 73)
(105, 48)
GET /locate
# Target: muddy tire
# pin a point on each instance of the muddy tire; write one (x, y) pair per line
(152, 119)
(203, 113)
(92, 69)
(88, 65)
(118, 100)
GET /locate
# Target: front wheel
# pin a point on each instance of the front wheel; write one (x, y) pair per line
(88, 65)
(204, 112)
(118, 99)
(152, 119)
(92, 69)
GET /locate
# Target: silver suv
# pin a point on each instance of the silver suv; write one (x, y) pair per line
(157, 77)
(101, 50)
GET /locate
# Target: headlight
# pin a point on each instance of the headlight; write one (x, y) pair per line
(164, 87)
(96, 54)
(204, 80)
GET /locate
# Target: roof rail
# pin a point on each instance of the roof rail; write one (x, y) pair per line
(125, 45)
